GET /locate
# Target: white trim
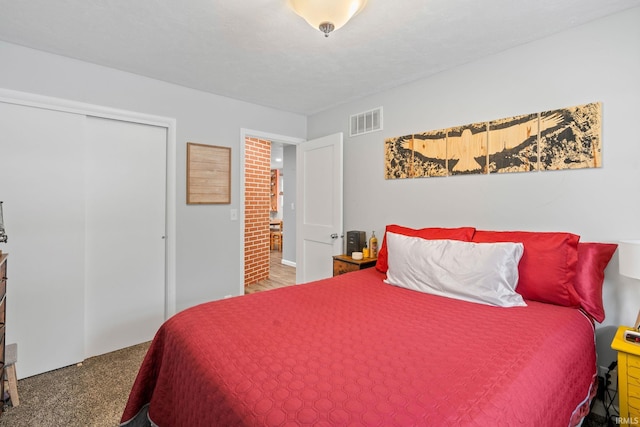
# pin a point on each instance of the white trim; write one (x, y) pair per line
(289, 263)
(244, 134)
(57, 104)
(68, 106)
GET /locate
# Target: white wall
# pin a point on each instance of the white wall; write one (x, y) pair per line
(208, 242)
(289, 204)
(599, 61)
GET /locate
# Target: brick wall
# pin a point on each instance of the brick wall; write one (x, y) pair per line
(256, 214)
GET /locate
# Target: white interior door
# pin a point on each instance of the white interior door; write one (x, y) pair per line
(125, 187)
(319, 216)
(41, 168)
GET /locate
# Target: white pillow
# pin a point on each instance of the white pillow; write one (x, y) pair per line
(486, 273)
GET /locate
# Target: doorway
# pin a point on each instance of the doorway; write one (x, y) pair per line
(269, 211)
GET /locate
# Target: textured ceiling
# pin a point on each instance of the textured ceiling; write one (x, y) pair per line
(262, 52)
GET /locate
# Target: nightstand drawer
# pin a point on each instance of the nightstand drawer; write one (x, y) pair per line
(634, 407)
(633, 391)
(3, 279)
(633, 372)
(340, 267)
(634, 363)
(344, 264)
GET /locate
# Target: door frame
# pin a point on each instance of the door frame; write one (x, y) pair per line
(64, 105)
(244, 134)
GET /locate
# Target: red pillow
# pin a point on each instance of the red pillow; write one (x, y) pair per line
(463, 234)
(548, 266)
(592, 260)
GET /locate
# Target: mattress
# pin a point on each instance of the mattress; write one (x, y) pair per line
(352, 350)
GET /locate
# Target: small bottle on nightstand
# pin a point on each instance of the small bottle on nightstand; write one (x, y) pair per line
(373, 245)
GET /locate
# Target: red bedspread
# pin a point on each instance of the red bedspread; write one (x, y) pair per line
(354, 351)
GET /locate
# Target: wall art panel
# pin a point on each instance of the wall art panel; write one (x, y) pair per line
(467, 149)
(430, 153)
(571, 138)
(513, 144)
(398, 153)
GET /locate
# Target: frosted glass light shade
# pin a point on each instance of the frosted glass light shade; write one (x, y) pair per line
(629, 258)
(336, 12)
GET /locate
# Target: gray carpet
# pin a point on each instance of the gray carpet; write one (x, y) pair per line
(92, 394)
(594, 420)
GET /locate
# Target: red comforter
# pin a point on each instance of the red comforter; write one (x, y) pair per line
(354, 351)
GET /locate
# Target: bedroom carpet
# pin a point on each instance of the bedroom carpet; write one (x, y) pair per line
(595, 420)
(92, 394)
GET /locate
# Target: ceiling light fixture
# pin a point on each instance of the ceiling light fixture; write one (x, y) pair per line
(327, 15)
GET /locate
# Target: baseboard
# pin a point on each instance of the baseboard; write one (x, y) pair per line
(289, 263)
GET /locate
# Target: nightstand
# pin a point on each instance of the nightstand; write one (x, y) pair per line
(628, 378)
(344, 264)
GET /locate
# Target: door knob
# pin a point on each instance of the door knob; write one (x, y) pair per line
(334, 236)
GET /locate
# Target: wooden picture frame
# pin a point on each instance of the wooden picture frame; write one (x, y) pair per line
(208, 174)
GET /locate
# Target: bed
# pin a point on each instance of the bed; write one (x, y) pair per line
(358, 350)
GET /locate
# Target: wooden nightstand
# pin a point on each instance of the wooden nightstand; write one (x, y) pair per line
(3, 304)
(628, 378)
(344, 264)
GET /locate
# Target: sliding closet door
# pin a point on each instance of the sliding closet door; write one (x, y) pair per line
(125, 187)
(42, 187)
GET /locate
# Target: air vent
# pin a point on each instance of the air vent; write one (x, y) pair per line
(369, 121)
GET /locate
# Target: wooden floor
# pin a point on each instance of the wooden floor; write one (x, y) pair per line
(279, 275)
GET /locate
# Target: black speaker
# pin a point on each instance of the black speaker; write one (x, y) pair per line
(356, 240)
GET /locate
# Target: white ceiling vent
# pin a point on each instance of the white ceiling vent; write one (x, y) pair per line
(369, 121)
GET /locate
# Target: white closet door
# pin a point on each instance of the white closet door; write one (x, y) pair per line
(125, 183)
(41, 184)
